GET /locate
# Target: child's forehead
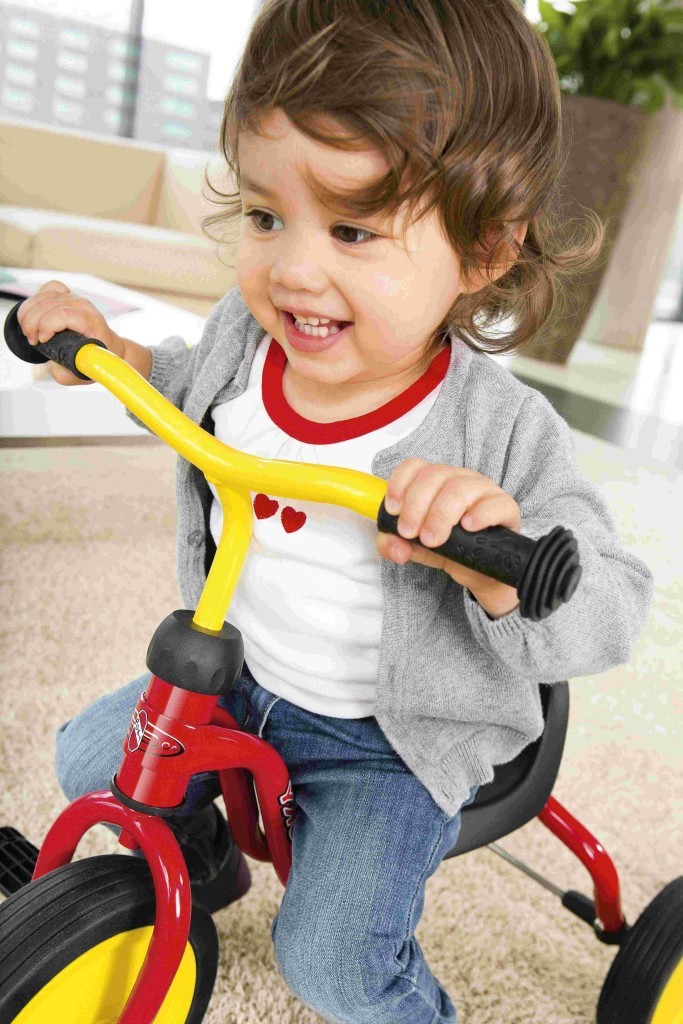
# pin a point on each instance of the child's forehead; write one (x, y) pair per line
(322, 189)
(317, 164)
(331, 177)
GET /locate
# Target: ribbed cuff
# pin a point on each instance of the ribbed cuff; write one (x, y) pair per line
(165, 360)
(486, 628)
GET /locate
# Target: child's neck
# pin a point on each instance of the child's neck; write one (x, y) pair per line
(310, 400)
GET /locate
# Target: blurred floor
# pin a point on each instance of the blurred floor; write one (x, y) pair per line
(632, 399)
(625, 410)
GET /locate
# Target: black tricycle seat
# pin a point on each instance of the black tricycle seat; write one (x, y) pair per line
(519, 789)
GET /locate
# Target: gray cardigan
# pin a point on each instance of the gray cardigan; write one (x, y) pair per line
(457, 691)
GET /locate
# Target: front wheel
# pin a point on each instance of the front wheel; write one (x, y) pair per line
(645, 982)
(73, 941)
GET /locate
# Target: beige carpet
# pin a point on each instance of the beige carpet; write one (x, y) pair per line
(88, 572)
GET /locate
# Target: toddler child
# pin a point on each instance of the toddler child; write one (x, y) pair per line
(397, 173)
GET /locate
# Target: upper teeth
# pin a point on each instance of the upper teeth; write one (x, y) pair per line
(312, 320)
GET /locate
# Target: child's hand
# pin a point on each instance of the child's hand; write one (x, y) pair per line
(54, 308)
(432, 499)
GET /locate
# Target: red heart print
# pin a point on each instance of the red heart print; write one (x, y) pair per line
(291, 519)
(265, 507)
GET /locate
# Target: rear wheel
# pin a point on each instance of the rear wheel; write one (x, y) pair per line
(72, 944)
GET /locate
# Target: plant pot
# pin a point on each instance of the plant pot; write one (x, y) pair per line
(602, 142)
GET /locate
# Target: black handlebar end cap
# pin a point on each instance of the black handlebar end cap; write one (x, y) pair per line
(551, 575)
(17, 342)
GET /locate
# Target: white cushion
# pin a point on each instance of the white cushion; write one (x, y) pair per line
(79, 172)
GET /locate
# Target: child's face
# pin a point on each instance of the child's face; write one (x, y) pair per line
(299, 254)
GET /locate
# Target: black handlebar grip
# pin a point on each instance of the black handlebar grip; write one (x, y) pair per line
(61, 348)
(545, 572)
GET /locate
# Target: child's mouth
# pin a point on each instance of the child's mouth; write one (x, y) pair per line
(308, 342)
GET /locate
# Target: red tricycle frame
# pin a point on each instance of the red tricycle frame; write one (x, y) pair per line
(174, 734)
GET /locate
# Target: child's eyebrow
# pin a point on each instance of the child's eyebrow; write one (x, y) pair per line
(263, 190)
(342, 208)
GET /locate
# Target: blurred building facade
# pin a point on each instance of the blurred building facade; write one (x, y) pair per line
(79, 75)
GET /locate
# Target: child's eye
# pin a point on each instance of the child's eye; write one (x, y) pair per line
(255, 214)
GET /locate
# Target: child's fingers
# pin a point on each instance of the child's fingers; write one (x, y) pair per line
(495, 509)
(472, 501)
(30, 312)
(396, 548)
(435, 499)
(402, 551)
(399, 480)
(46, 294)
(474, 505)
(53, 286)
(412, 487)
(55, 314)
(454, 499)
(430, 499)
(59, 319)
(422, 501)
(61, 375)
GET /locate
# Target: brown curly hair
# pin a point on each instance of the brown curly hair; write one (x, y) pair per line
(462, 98)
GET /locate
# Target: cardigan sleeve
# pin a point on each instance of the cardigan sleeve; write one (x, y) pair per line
(175, 364)
(600, 624)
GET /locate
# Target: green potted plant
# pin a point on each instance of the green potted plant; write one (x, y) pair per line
(619, 62)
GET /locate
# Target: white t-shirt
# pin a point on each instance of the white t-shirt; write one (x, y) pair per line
(309, 600)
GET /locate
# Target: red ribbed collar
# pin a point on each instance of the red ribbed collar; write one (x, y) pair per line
(302, 429)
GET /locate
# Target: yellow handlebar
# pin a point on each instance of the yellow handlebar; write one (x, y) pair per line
(545, 572)
(233, 473)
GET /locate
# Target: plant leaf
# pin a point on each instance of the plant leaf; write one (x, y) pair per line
(594, 58)
(648, 93)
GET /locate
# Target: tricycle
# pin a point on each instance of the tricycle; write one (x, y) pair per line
(115, 939)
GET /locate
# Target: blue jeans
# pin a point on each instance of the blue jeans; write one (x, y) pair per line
(367, 835)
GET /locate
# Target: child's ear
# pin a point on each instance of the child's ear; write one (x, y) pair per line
(481, 279)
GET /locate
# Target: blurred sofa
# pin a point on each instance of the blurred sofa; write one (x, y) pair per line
(126, 211)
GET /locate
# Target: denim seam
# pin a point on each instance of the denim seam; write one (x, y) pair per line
(403, 973)
(245, 716)
(271, 704)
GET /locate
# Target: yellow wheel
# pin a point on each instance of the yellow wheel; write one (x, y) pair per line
(645, 982)
(72, 944)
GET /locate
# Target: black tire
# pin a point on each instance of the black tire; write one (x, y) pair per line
(49, 923)
(647, 959)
